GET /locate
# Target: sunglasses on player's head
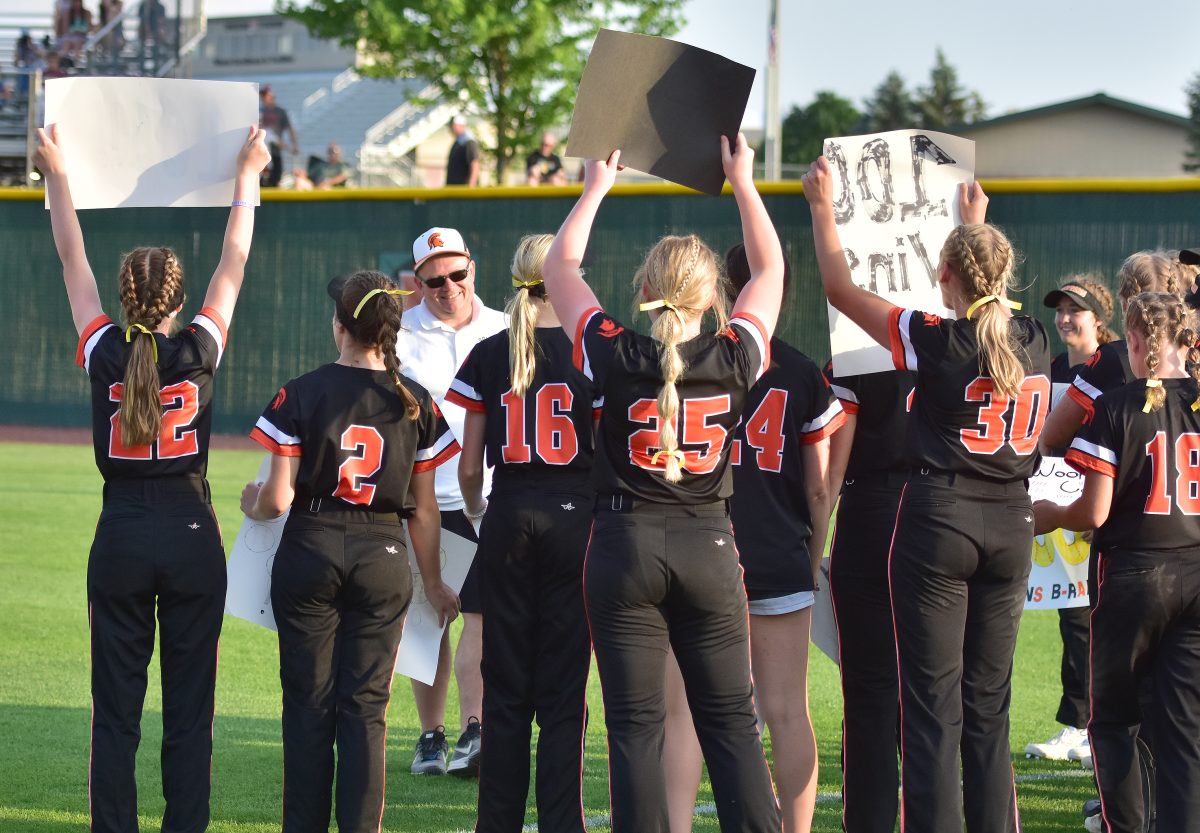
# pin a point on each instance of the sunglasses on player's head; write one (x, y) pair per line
(458, 276)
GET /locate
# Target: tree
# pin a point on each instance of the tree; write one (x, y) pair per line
(518, 61)
(944, 103)
(891, 108)
(1191, 159)
(806, 128)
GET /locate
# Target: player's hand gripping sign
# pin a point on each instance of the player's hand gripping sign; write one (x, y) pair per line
(895, 199)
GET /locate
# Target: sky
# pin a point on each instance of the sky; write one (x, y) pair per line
(1018, 53)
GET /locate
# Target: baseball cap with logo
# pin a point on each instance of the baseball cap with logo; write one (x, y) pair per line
(438, 241)
(1077, 295)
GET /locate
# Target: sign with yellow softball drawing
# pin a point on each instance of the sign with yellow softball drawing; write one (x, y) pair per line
(1059, 575)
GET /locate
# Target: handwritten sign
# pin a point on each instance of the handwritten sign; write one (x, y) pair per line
(1059, 576)
(895, 201)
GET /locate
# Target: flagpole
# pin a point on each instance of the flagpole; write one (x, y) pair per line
(772, 150)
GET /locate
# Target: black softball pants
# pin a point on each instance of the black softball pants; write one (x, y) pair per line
(340, 585)
(1073, 627)
(536, 650)
(959, 568)
(661, 574)
(157, 548)
(1146, 630)
(862, 604)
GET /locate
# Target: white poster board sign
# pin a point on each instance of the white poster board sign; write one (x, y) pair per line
(1059, 576)
(248, 595)
(151, 142)
(895, 200)
(249, 592)
(422, 639)
(824, 625)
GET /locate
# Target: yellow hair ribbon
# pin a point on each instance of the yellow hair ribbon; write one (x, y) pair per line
(677, 454)
(520, 284)
(153, 342)
(649, 305)
(1154, 383)
(987, 299)
(375, 292)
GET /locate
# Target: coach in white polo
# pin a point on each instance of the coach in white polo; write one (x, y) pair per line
(436, 337)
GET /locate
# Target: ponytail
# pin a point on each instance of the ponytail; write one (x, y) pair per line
(523, 311)
(151, 288)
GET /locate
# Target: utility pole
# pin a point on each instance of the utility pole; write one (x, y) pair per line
(772, 149)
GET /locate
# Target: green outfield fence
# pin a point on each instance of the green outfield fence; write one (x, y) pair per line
(282, 324)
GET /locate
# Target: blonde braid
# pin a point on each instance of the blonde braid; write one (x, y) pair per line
(682, 271)
(982, 258)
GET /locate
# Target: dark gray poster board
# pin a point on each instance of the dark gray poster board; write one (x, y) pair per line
(664, 104)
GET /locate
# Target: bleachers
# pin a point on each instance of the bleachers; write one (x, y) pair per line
(327, 107)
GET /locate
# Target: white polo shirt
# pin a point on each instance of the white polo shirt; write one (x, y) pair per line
(431, 352)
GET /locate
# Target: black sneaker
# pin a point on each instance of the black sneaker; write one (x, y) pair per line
(465, 763)
(431, 753)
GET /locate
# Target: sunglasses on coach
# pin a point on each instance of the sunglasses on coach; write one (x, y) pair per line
(458, 276)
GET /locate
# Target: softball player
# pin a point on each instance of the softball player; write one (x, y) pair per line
(1108, 368)
(869, 463)
(960, 555)
(354, 446)
(780, 511)
(661, 566)
(532, 410)
(1139, 455)
(157, 547)
(1082, 309)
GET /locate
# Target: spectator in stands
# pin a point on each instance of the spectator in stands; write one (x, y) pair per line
(462, 168)
(27, 58)
(543, 166)
(62, 15)
(114, 41)
(152, 27)
(53, 67)
(332, 171)
(274, 119)
(79, 26)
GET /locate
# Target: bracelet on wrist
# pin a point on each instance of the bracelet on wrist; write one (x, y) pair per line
(476, 516)
(241, 204)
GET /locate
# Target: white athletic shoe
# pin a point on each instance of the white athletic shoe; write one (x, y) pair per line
(1085, 760)
(1093, 824)
(1057, 748)
(1081, 751)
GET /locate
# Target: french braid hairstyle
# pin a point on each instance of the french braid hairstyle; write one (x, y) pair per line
(151, 287)
(1100, 292)
(377, 324)
(522, 309)
(983, 259)
(683, 272)
(1164, 321)
(1147, 271)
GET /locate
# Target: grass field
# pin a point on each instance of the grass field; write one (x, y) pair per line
(49, 501)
